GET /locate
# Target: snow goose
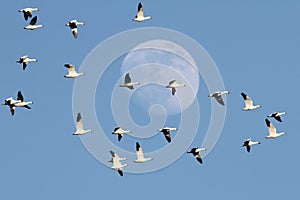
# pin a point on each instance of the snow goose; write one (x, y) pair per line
(72, 72)
(20, 101)
(32, 24)
(173, 85)
(248, 143)
(272, 131)
(276, 115)
(116, 163)
(120, 132)
(79, 126)
(128, 83)
(196, 152)
(27, 12)
(25, 60)
(73, 25)
(140, 15)
(167, 132)
(218, 96)
(249, 103)
(140, 154)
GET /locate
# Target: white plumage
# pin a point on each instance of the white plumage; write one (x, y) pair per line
(79, 126)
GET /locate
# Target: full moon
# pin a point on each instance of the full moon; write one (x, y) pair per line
(155, 63)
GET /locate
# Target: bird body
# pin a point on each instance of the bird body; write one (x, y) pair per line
(140, 15)
(128, 83)
(218, 96)
(73, 26)
(248, 143)
(196, 153)
(272, 131)
(167, 132)
(249, 103)
(120, 132)
(173, 85)
(32, 25)
(27, 12)
(140, 154)
(276, 115)
(72, 73)
(79, 126)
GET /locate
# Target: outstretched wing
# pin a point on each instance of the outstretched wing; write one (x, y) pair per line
(71, 68)
(173, 91)
(171, 82)
(139, 152)
(79, 125)
(219, 99)
(20, 96)
(127, 78)
(278, 118)
(271, 127)
(33, 21)
(24, 65)
(140, 10)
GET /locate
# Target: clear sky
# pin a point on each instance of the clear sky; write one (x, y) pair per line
(255, 45)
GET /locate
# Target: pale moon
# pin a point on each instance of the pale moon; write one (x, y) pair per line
(155, 63)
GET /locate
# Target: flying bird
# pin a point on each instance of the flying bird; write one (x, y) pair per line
(272, 131)
(196, 152)
(79, 126)
(140, 154)
(25, 60)
(173, 85)
(218, 96)
(73, 25)
(117, 165)
(72, 73)
(32, 24)
(140, 15)
(276, 115)
(128, 83)
(249, 103)
(120, 132)
(17, 103)
(248, 143)
(167, 132)
(27, 12)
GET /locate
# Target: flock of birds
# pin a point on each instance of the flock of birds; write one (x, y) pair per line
(173, 85)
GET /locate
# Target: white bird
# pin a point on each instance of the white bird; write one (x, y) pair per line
(140, 15)
(249, 103)
(248, 143)
(272, 131)
(25, 60)
(196, 152)
(20, 101)
(276, 115)
(128, 83)
(73, 25)
(79, 126)
(140, 154)
(218, 96)
(173, 85)
(116, 163)
(32, 24)
(72, 72)
(167, 132)
(27, 12)
(120, 132)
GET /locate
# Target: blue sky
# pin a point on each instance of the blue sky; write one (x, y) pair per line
(255, 46)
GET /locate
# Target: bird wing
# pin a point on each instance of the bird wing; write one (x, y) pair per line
(140, 10)
(26, 106)
(248, 100)
(271, 127)
(12, 109)
(114, 156)
(33, 21)
(171, 82)
(20, 96)
(25, 15)
(248, 148)
(75, 32)
(120, 171)
(173, 91)
(278, 118)
(219, 99)
(131, 87)
(117, 128)
(127, 78)
(120, 137)
(79, 125)
(139, 152)
(198, 157)
(71, 68)
(167, 135)
(24, 65)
